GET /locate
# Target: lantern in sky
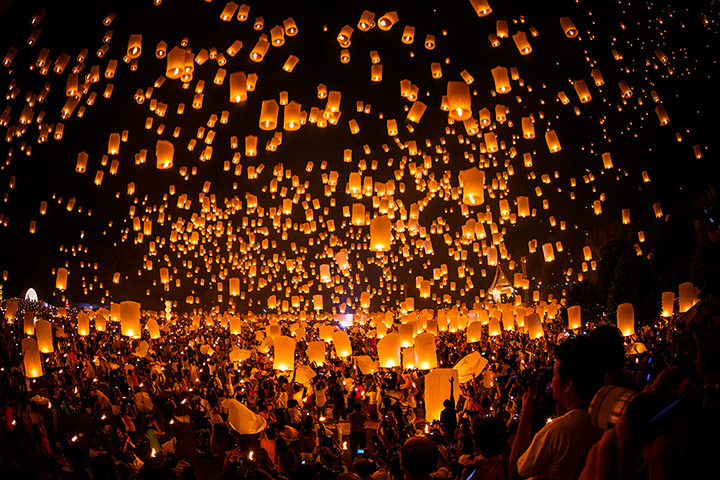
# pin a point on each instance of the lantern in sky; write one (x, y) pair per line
(29, 323)
(626, 319)
(387, 21)
(568, 27)
(31, 358)
(61, 279)
(502, 81)
(473, 184)
(134, 48)
(686, 297)
(380, 233)
(164, 153)
(425, 351)
(268, 115)
(83, 324)
(533, 325)
(458, 98)
(574, 317)
(284, 353)
(668, 302)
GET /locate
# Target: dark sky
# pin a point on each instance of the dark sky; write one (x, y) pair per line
(99, 229)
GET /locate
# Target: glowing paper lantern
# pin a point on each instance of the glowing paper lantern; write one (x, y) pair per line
(380, 233)
(61, 279)
(626, 319)
(474, 332)
(425, 351)
(268, 115)
(29, 323)
(387, 21)
(100, 322)
(552, 141)
(574, 320)
(568, 27)
(284, 353)
(548, 252)
(437, 390)
(459, 103)
(238, 87)
(473, 185)
(83, 325)
(316, 353)
(407, 333)
(44, 334)
(533, 325)
(686, 296)
(668, 301)
(341, 342)
(388, 349)
(31, 358)
(522, 44)
(234, 286)
(494, 327)
(134, 48)
(502, 81)
(164, 152)
(235, 325)
(130, 318)
(153, 328)
(408, 358)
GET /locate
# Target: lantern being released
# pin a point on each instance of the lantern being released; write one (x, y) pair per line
(31, 358)
(437, 390)
(284, 351)
(130, 318)
(626, 319)
(388, 349)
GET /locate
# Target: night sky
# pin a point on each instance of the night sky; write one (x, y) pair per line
(665, 52)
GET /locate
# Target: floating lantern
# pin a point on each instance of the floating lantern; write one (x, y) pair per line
(473, 184)
(387, 21)
(668, 301)
(284, 353)
(83, 324)
(502, 81)
(130, 318)
(388, 349)
(316, 353)
(687, 297)
(458, 98)
(164, 153)
(568, 27)
(29, 323)
(153, 328)
(341, 342)
(44, 334)
(61, 279)
(533, 325)
(626, 319)
(134, 48)
(522, 44)
(574, 320)
(437, 390)
(31, 358)
(380, 233)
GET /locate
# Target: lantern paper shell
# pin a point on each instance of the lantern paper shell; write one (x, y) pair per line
(325, 332)
(459, 103)
(31, 358)
(425, 351)
(388, 349)
(44, 334)
(316, 353)
(153, 328)
(284, 353)
(437, 390)
(83, 324)
(61, 279)
(100, 323)
(502, 81)
(533, 325)
(29, 323)
(668, 301)
(574, 320)
(380, 233)
(341, 342)
(473, 184)
(130, 318)
(238, 87)
(626, 319)
(474, 332)
(686, 296)
(408, 358)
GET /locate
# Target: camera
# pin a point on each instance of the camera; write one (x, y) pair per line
(360, 451)
(650, 414)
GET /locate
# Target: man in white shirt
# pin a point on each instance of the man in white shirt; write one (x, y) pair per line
(559, 449)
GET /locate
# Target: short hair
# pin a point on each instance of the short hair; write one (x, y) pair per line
(578, 363)
(419, 456)
(610, 346)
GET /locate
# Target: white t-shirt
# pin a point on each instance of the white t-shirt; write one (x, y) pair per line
(560, 448)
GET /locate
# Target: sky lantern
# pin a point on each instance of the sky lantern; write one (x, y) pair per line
(341, 342)
(291, 117)
(61, 279)
(83, 324)
(625, 216)
(548, 252)
(388, 349)
(522, 44)
(474, 332)
(235, 325)
(290, 27)
(582, 91)
(574, 321)
(425, 351)
(164, 153)
(130, 318)
(238, 87)
(29, 323)
(284, 354)
(494, 327)
(408, 35)
(502, 81)
(473, 184)
(482, 9)
(325, 332)
(153, 328)
(626, 319)
(259, 50)
(380, 233)
(268, 115)
(31, 358)
(528, 128)
(175, 63)
(458, 98)
(533, 325)
(44, 334)
(687, 297)
(668, 301)
(134, 48)
(552, 141)
(316, 353)
(387, 21)
(568, 27)
(523, 205)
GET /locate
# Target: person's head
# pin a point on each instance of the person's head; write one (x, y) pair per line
(419, 457)
(576, 375)
(363, 467)
(489, 436)
(270, 433)
(610, 346)
(447, 403)
(357, 407)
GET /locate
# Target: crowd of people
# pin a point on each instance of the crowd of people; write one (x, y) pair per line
(104, 410)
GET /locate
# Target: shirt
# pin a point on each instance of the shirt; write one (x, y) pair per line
(559, 449)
